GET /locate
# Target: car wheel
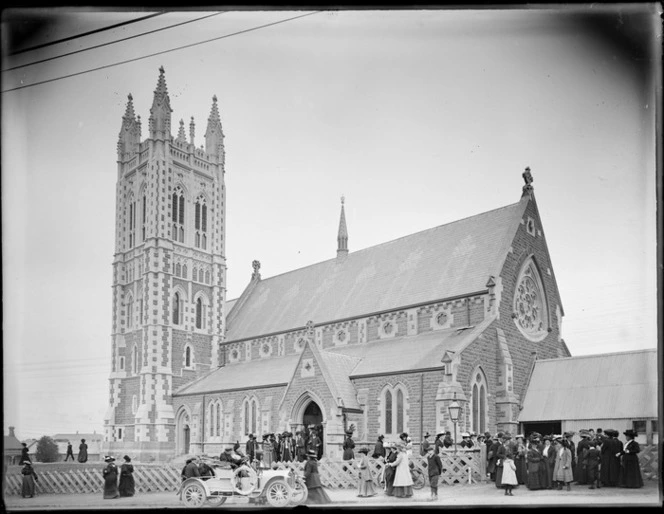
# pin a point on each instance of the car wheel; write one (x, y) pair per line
(278, 494)
(215, 501)
(194, 496)
(300, 493)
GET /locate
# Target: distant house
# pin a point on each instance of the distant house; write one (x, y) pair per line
(93, 441)
(613, 390)
(12, 448)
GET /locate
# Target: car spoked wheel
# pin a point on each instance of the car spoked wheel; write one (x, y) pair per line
(418, 479)
(300, 493)
(194, 496)
(278, 494)
(216, 500)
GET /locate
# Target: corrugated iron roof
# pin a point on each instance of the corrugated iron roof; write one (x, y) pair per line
(608, 386)
(441, 262)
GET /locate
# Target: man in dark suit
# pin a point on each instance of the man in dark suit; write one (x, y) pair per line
(300, 446)
(251, 447)
(315, 443)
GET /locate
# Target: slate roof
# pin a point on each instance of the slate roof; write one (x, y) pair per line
(11, 443)
(408, 353)
(237, 375)
(336, 368)
(607, 386)
(438, 263)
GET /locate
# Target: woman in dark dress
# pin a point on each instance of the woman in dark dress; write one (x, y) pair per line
(29, 479)
(83, 451)
(548, 463)
(388, 471)
(610, 464)
(520, 460)
(316, 493)
(349, 444)
(581, 470)
(110, 475)
(379, 449)
(126, 487)
(630, 475)
(25, 457)
(534, 463)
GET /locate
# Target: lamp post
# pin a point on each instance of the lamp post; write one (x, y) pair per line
(454, 410)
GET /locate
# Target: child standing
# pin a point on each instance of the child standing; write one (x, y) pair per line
(435, 469)
(591, 463)
(509, 474)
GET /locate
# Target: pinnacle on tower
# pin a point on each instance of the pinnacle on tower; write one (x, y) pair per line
(342, 237)
(214, 135)
(160, 112)
(130, 131)
(129, 114)
(181, 135)
(192, 131)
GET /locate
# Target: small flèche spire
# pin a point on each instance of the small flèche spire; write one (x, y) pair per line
(342, 237)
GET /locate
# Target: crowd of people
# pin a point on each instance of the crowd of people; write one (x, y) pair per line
(555, 462)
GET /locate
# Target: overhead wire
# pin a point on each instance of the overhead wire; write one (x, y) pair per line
(252, 29)
(112, 42)
(89, 33)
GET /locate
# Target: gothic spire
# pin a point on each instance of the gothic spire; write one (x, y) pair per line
(214, 135)
(181, 135)
(160, 112)
(129, 114)
(342, 237)
(130, 131)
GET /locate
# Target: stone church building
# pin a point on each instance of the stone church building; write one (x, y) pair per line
(384, 338)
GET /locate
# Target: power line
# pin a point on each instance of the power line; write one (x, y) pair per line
(96, 31)
(160, 53)
(112, 42)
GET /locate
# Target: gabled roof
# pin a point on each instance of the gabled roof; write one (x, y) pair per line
(442, 262)
(408, 353)
(78, 437)
(263, 372)
(11, 443)
(607, 386)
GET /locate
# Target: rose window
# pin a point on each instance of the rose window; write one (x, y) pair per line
(441, 319)
(529, 304)
(388, 328)
(341, 336)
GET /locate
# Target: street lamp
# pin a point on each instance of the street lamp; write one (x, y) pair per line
(454, 410)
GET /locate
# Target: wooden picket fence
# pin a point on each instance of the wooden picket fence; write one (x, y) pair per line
(463, 467)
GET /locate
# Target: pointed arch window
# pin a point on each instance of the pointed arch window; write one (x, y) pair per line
(207, 277)
(201, 305)
(143, 216)
(134, 362)
(478, 402)
(177, 215)
(251, 409)
(200, 223)
(211, 418)
(130, 311)
(178, 308)
(188, 357)
(393, 406)
(132, 222)
(218, 419)
(184, 271)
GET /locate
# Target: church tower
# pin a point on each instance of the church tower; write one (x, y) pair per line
(169, 275)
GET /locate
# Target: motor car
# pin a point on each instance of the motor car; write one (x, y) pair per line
(278, 487)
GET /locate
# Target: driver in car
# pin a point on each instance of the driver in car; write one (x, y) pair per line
(227, 456)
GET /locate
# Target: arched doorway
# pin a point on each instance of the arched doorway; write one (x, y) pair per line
(183, 432)
(312, 418)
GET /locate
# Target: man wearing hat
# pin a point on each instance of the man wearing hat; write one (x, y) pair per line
(631, 475)
(316, 494)
(434, 469)
(425, 444)
(438, 443)
(501, 452)
(590, 462)
(492, 458)
(465, 441)
(581, 469)
(315, 442)
(300, 446)
(250, 447)
(447, 440)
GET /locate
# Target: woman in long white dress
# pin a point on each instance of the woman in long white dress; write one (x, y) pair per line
(403, 482)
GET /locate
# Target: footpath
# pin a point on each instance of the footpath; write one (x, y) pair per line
(457, 496)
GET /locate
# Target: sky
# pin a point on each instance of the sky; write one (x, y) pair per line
(418, 118)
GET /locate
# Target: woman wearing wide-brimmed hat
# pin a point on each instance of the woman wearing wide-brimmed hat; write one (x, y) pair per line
(379, 448)
(630, 475)
(520, 463)
(535, 463)
(316, 494)
(126, 487)
(389, 470)
(110, 475)
(349, 444)
(581, 469)
(365, 485)
(562, 472)
(29, 479)
(403, 482)
(610, 464)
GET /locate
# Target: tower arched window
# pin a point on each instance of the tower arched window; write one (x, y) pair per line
(478, 402)
(200, 223)
(177, 215)
(132, 221)
(188, 357)
(143, 216)
(207, 277)
(130, 311)
(134, 361)
(200, 313)
(178, 308)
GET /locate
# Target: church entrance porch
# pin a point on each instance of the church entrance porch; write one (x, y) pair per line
(307, 416)
(182, 433)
